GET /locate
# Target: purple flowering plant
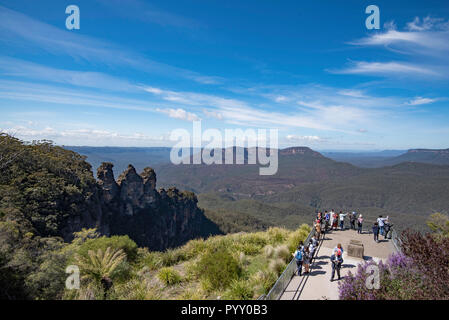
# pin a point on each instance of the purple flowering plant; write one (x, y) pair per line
(419, 272)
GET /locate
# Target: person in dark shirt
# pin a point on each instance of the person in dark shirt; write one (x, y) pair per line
(387, 228)
(376, 231)
(352, 219)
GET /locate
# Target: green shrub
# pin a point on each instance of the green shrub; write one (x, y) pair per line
(263, 281)
(268, 251)
(283, 253)
(194, 247)
(146, 259)
(239, 290)
(135, 289)
(169, 276)
(248, 248)
(277, 266)
(115, 242)
(300, 235)
(191, 294)
(217, 268)
(173, 256)
(243, 259)
(276, 235)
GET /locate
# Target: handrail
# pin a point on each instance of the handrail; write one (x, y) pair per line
(282, 282)
(397, 242)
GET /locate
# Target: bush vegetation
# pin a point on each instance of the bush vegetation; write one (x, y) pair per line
(169, 276)
(419, 272)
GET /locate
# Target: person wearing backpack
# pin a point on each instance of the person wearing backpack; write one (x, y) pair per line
(299, 258)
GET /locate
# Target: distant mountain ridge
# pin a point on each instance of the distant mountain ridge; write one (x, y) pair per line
(383, 159)
(307, 181)
(142, 157)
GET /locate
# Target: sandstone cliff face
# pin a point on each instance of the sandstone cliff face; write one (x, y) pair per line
(152, 218)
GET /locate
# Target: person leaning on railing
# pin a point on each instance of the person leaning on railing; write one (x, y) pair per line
(388, 227)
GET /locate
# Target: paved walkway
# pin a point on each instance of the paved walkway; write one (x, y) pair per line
(317, 285)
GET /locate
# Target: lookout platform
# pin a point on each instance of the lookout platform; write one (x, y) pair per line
(317, 285)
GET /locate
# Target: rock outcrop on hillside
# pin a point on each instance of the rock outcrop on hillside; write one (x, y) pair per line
(157, 219)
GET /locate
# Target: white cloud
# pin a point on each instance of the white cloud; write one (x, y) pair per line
(352, 93)
(421, 100)
(195, 99)
(179, 114)
(310, 139)
(427, 37)
(419, 40)
(86, 136)
(280, 99)
(426, 24)
(213, 114)
(319, 107)
(387, 68)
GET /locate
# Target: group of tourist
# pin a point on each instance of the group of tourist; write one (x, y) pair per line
(304, 255)
(382, 226)
(334, 221)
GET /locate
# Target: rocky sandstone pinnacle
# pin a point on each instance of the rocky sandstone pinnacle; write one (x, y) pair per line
(107, 182)
(155, 219)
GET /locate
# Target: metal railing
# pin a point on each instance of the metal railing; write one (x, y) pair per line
(286, 276)
(397, 242)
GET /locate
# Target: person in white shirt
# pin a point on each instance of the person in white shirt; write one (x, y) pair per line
(342, 220)
(331, 219)
(381, 222)
(359, 224)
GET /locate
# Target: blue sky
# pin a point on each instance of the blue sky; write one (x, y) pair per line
(136, 70)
